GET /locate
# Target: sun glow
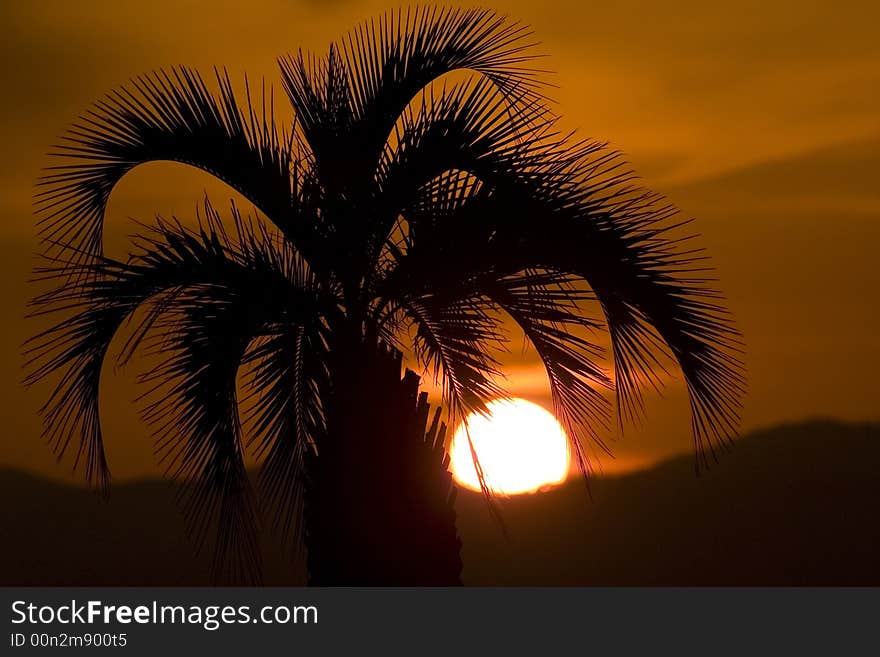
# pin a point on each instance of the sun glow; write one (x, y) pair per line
(521, 448)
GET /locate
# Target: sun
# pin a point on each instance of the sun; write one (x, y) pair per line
(521, 447)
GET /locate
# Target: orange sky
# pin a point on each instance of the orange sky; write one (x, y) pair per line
(762, 120)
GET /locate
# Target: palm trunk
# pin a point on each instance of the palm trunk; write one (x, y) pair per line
(379, 502)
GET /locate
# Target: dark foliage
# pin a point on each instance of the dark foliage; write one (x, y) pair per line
(423, 198)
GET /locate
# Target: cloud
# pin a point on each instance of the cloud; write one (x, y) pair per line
(834, 179)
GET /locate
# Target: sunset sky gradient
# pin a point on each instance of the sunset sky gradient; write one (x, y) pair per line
(761, 120)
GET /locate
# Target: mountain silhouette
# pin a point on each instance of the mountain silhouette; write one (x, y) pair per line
(792, 505)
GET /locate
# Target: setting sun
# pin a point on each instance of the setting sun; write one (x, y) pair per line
(521, 447)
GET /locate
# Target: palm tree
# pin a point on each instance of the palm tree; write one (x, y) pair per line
(424, 200)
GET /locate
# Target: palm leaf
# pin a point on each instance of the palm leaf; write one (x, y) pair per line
(387, 62)
(205, 296)
(655, 287)
(575, 210)
(169, 115)
(284, 418)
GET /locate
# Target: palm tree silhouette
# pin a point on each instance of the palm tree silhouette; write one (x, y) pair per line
(424, 200)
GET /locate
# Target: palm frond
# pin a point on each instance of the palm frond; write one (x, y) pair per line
(350, 101)
(193, 410)
(654, 284)
(391, 59)
(469, 127)
(173, 116)
(546, 306)
(549, 309)
(203, 296)
(453, 339)
(284, 418)
(455, 150)
(318, 90)
(576, 210)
